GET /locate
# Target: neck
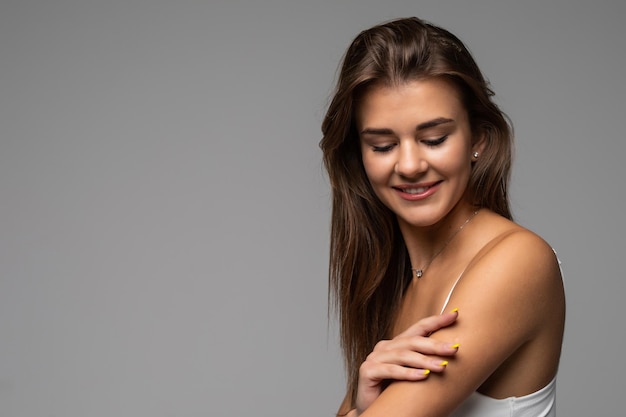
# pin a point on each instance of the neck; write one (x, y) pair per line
(424, 243)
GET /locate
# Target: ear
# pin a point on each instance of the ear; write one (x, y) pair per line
(480, 142)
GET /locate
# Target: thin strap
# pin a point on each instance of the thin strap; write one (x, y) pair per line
(445, 304)
(558, 260)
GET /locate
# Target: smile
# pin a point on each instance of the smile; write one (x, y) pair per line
(417, 192)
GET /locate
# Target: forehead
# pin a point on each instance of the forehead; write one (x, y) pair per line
(415, 102)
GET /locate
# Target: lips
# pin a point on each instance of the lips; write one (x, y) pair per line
(417, 191)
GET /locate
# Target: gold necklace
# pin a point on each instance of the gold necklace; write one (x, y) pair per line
(419, 272)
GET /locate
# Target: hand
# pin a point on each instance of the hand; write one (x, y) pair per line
(404, 358)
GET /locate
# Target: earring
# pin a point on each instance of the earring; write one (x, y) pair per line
(475, 155)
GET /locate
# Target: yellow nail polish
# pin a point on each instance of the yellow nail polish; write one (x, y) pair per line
(455, 310)
(443, 363)
(426, 371)
(455, 346)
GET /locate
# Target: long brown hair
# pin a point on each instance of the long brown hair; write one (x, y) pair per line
(368, 258)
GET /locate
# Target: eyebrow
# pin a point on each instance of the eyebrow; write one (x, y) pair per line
(422, 126)
(432, 123)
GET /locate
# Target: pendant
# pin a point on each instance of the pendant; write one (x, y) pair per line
(419, 273)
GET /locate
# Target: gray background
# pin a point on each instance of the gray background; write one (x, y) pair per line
(164, 212)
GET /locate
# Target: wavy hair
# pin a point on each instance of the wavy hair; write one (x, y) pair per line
(369, 263)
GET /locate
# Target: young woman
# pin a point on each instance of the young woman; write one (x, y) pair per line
(446, 306)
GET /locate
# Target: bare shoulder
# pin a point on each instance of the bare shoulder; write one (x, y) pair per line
(518, 253)
(520, 270)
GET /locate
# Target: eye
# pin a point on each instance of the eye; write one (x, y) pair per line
(382, 149)
(435, 142)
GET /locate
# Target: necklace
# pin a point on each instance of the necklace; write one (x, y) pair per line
(419, 272)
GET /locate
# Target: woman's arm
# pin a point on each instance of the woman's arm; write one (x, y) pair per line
(512, 307)
(410, 356)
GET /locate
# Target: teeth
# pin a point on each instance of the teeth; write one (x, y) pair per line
(415, 190)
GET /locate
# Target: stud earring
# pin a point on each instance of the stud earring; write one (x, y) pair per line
(475, 155)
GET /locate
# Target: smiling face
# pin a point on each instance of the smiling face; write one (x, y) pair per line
(417, 146)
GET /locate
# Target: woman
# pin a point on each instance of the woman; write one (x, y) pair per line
(418, 157)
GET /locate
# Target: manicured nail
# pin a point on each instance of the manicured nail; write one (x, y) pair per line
(455, 310)
(426, 371)
(443, 363)
(455, 346)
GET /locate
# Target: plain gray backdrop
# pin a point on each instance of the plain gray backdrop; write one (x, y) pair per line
(164, 212)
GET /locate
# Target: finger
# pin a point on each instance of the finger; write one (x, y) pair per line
(407, 358)
(427, 346)
(385, 351)
(430, 324)
(372, 375)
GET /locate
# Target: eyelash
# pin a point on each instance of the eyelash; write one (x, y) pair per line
(382, 149)
(429, 143)
(436, 142)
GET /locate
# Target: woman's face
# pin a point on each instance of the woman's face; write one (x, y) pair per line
(417, 147)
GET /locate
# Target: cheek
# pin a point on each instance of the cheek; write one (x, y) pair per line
(378, 177)
(376, 170)
(454, 163)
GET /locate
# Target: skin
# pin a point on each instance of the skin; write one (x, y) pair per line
(510, 300)
(404, 358)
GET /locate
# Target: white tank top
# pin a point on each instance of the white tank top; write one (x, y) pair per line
(541, 403)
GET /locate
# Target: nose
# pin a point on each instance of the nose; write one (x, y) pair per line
(411, 162)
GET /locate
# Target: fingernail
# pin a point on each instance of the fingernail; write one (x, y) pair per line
(455, 310)
(443, 363)
(426, 371)
(455, 346)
